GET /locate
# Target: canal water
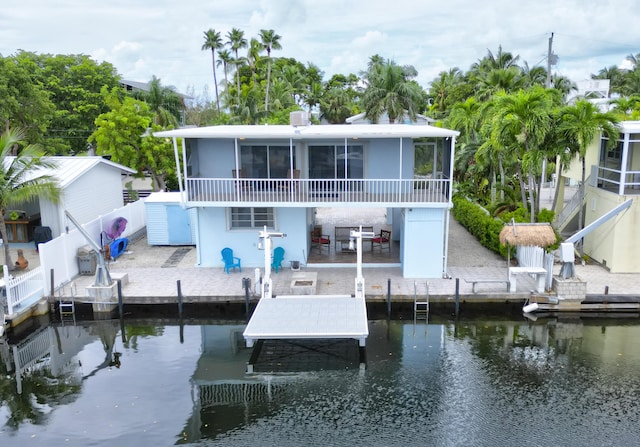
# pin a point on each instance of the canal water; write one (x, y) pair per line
(477, 381)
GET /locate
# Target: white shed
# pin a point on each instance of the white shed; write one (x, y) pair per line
(90, 186)
(168, 223)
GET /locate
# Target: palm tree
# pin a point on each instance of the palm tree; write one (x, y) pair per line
(335, 105)
(236, 40)
(271, 41)
(581, 123)
(502, 60)
(390, 89)
(616, 77)
(213, 42)
(21, 180)
(442, 90)
(634, 59)
(522, 120)
(164, 102)
(533, 75)
(498, 79)
(253, 57)
(625, 106)
(225, 59)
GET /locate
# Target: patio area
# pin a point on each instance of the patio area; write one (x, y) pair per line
(330, 218)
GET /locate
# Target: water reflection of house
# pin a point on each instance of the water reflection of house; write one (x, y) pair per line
(241, 178)
(222, 392)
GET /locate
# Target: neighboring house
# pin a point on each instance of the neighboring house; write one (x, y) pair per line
(611, 201)
(240, 178)
(90, 186)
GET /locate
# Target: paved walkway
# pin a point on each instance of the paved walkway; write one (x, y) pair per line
(153, 273)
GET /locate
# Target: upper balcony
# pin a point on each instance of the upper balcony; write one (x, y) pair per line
(419, 193)
(616, 181)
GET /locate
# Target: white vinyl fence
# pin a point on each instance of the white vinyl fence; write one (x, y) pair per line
(60, 257)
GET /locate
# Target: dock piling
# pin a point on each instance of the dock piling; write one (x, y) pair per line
(246, 284)
(457, 296)
(388, 297)
(179, 298)
(120, 303)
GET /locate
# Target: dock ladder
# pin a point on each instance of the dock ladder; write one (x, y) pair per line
(420, 304)
(66, 306)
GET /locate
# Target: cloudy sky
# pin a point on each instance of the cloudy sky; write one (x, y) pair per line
(142, 38)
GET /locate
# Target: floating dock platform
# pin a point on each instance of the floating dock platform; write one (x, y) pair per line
(308, 317)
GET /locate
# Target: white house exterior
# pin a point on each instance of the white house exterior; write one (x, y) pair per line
(240, 178)
(90, 186)
(613, 180)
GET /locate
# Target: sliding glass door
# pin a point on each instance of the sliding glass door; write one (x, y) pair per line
(265, 161)
(333, 162)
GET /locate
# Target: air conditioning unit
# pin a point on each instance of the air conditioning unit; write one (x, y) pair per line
(299, 118)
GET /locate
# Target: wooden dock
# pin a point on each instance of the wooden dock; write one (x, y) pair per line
(607, 303)
(308, 317)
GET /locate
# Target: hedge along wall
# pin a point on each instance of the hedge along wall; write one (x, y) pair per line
(479, 223)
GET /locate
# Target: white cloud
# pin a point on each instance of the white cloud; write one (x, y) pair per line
(163, 38)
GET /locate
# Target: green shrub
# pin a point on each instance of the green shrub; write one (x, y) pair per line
(479, 223)
(486, 229)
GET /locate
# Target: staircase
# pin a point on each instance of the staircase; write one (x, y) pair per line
(570, 210)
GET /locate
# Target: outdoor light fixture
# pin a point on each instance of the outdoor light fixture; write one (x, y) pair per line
(351, 244)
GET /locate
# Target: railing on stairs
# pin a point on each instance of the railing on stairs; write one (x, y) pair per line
(570, 208)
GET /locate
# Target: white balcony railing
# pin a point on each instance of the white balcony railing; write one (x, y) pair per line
(309, 191)
(613, 180)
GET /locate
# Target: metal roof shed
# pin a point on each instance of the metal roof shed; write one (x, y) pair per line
(90, 186)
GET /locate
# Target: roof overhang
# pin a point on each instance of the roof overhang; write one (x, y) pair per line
(334, 131)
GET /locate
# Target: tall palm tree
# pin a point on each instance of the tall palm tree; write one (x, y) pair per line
(581, 123)
(236, 41)
(271, 41)
(253, 57)
(225, 58)
(20, 180)
(213, 42)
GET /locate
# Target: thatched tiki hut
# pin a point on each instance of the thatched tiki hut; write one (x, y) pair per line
(528, 234)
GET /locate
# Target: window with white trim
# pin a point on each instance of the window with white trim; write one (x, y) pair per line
(248, 218)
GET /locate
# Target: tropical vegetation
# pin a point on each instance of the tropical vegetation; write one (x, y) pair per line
(515, 119)
(22, 179)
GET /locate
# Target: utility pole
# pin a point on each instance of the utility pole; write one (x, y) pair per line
(550, 56)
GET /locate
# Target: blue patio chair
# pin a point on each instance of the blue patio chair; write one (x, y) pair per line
(230, 261)
(278, 256)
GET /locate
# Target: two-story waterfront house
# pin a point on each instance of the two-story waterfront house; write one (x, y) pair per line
(237, 179)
